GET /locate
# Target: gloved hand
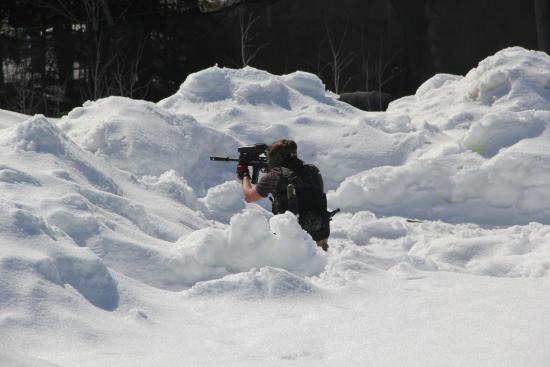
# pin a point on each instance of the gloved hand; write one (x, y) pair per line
(323, 244)
(242, 170)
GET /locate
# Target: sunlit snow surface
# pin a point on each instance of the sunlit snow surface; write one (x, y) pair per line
(121, 244)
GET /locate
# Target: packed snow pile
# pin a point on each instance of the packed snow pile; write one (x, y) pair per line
(484, 159)
(141, 138)
(250, 241)
(257, 107)
(443, 153)
(118, 236)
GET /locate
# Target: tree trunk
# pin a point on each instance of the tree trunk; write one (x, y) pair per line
(542, 17)
(1, 63)
(64, 51)
(107, 13)
(414, 25)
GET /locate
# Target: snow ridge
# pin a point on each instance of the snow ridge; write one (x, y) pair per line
(481, 164)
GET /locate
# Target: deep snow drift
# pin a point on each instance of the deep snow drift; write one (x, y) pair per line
(122, 244)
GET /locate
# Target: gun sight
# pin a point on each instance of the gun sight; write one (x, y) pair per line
(251, 155)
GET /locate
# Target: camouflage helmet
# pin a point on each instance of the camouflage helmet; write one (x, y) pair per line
(280, 151)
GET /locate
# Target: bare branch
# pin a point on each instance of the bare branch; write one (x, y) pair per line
(249, 51)
(339, 59)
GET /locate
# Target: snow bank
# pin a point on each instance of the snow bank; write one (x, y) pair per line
(251, 241)
(373, 244)
(117, 181)
(141, 138)
(247, 86)
(483, 161)
(91, 218)
(38, 137)
(63, 212)
(130, 181)
(255, 106)
(108, 211)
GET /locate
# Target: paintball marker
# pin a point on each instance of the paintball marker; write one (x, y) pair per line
(251, 155)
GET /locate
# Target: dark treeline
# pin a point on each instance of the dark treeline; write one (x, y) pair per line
(56, 54)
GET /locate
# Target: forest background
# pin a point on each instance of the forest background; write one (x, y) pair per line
(56, 54)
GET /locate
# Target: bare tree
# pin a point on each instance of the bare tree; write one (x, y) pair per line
(365, 61)
(378, 72)
(95, 11)
(383, 68)
(127, 70)
(249, 49)
(339, 58)
(320, 66)
(110, 70)
(23, 98)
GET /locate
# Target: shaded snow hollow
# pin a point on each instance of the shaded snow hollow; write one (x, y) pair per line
(116, 206)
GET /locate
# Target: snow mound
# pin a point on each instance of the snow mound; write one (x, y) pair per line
(72, 218)
(266, 282)
(113, 215)
(257, 107)
(223, 201)
(308, 85)
(210, 86)
(512, 79)
(246, 86)
(482, 160)
(250, 242)
(141, 138)
(39, 135)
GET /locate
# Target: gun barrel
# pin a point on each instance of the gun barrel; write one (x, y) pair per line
(223, 159)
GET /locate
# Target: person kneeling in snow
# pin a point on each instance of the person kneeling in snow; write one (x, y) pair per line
(293, 186)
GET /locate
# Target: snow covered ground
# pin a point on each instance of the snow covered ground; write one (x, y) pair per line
(121, 244)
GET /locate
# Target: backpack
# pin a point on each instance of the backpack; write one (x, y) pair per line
(301, 192)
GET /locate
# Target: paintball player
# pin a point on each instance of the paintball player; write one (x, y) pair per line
(293, 186)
